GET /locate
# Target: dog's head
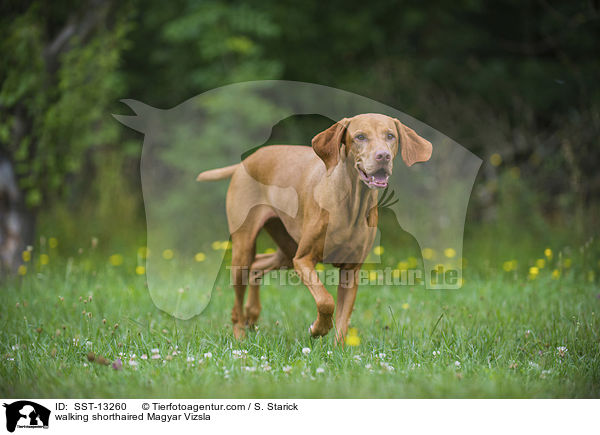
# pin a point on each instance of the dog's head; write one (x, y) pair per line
(371, 141)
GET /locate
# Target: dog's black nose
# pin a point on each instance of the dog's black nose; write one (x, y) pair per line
(382, 156)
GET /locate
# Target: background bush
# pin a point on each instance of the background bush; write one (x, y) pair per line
(516, 80)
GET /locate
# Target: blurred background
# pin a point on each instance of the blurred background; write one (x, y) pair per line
(515, 82)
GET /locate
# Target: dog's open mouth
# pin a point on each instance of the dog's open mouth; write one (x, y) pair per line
(378, 179)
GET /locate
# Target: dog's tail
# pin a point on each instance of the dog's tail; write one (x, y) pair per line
(217, 174)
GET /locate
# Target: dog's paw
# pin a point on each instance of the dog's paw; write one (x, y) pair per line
(239, 332)
(318, 332)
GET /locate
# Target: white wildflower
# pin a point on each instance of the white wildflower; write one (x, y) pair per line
(239, 353)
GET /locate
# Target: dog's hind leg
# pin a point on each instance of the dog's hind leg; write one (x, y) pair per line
(263, 263)
(242, 256)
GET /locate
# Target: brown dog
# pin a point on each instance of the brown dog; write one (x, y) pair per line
(317, 204)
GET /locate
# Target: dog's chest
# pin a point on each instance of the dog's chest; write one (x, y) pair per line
(348, 240)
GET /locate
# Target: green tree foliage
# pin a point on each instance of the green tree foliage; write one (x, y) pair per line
(517, 78)
(59, 76)
(184, 47)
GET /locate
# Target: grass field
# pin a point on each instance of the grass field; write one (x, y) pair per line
(504, 334)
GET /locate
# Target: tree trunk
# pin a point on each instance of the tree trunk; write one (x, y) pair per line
(16, 221)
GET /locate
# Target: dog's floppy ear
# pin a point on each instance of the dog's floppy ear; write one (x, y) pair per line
(414, 147)
(327, 143)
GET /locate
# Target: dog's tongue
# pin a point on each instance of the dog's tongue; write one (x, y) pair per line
(380, 176)
(379, 179)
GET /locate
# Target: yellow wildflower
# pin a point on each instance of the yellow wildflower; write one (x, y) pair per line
(540, 263)
(567, 263)
(140, 270)
(403, 265)
(22, 270)
(53, 242)
(44, 259)
(116, 259)
(507, 266)
(270, 251)
(428, 253)
(533, 272)
(143, 252)
(449, 252)
(352, 339)
(26, 256)
(167, 254)
(221, 245)
(412, 262)
(405, 306)
(548, 253)
(320, 267)
(200, 257)
(496, 159)
(555, 274)
(373, 275)
(378, 250)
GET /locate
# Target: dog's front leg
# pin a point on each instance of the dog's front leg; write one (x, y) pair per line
(305, 267)
(347, 289)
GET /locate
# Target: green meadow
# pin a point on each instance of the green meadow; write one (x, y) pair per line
(82, 324)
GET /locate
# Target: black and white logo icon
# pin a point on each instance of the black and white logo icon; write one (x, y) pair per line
(26, 414)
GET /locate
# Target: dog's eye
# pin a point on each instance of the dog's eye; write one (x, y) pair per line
(360, 137)
(390, 136)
